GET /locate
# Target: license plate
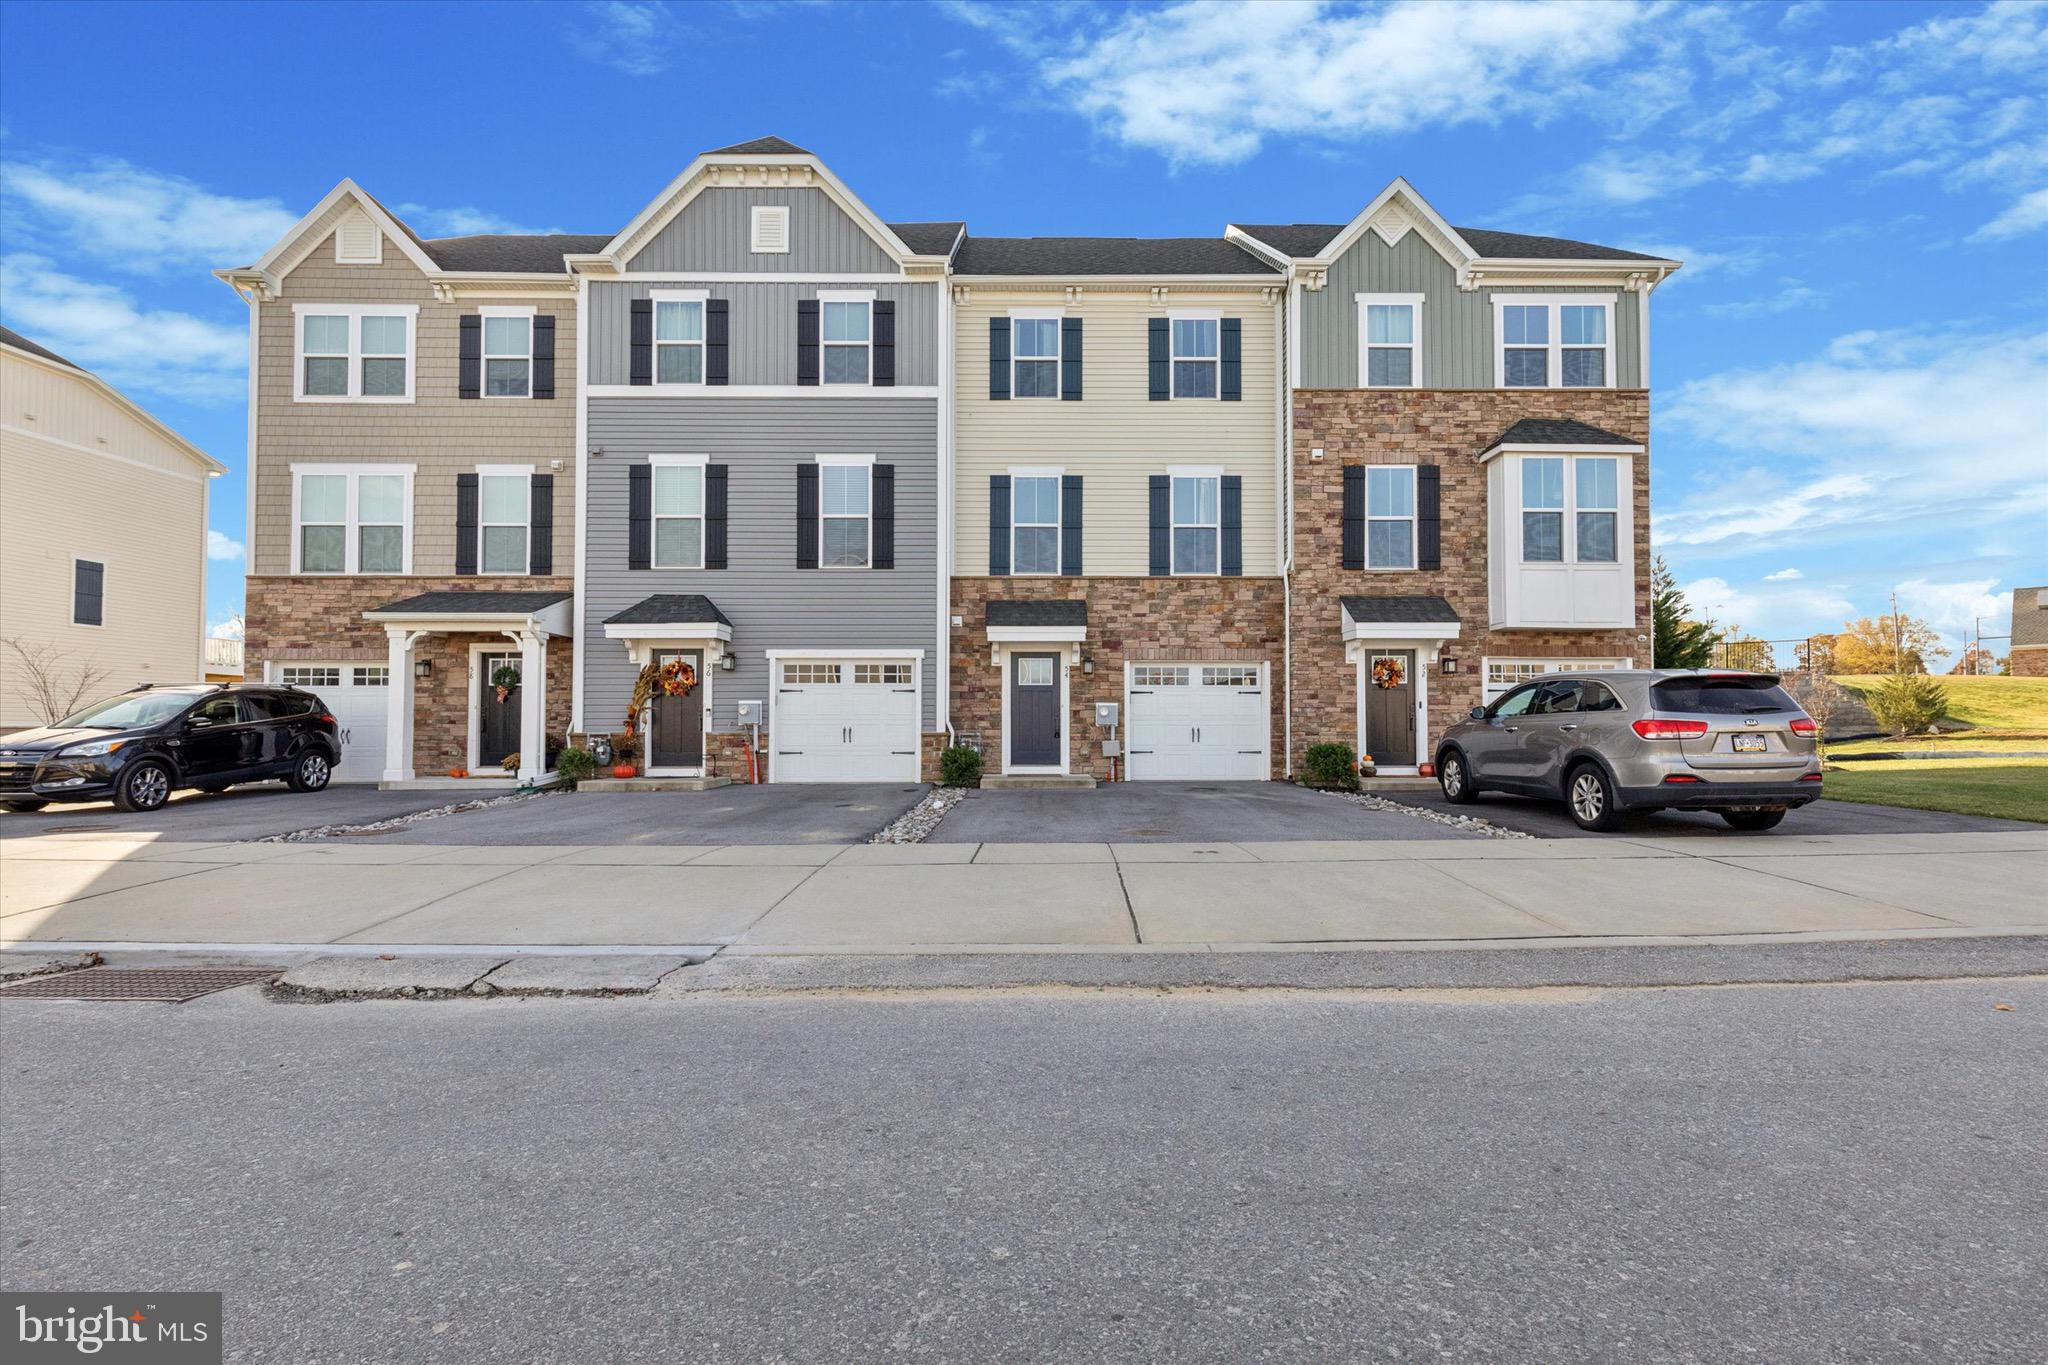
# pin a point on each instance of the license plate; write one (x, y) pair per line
(1751, 744)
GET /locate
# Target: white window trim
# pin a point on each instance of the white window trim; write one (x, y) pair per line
(72, 614)
(1214, 315)
(524, 473)
(527, 311)
(866, 462)
(1059, 511)
(1412, 518)
(700, 297)
(759, 214)
(1569, 512)
(1554, 364)
(861, 296)
(1177, 472)
(1542, 666)
(352, 527)
(654, 518)
(1414, 347)
(355, 313)
(1059, 349)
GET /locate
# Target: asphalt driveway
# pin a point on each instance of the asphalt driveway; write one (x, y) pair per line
(1547, 819)
(1174, 812)
(248, 812)
(825, 813)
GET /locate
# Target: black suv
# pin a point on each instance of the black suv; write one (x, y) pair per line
(141, 746)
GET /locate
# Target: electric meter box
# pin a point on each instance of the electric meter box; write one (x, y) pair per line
(1105, 713)
(750, 713)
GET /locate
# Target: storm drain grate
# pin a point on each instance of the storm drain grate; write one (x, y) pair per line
(174, 985)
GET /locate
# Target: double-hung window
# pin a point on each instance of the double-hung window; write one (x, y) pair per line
(1582, 494)
(678, 513)
(845, 330)
(1196, 355)
(1597, 509)
(353, 353)
(1034, 522)
(351, 519)
(1543, 510)
(1390, 517)
(844, 512)
(1563, 341)
(505, 506)
(508, 352)
(1197, 523)
(1389, 340)
(678, 337)
(1035, 355)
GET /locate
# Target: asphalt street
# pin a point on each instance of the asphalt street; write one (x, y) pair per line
(1786, 1173)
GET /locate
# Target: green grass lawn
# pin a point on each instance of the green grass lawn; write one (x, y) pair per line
(2003, 788)
(1965, 741)
(2011, 704)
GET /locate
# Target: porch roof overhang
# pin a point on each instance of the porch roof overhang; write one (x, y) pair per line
(471, 612)
(1398, 618)
(670, 616)
(1558, 436)
(1037, 622)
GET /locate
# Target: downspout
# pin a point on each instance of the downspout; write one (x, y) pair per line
(582, 497)
(944, 672)
(1290, 372)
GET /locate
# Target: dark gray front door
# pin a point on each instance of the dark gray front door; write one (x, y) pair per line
(1035, 710)
(1390, 711)
(497, 722)
(679, 721)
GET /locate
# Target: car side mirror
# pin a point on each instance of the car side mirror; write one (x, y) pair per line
(199, 723)
(1479, 713)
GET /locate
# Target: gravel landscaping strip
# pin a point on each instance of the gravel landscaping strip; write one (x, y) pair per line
(915, 825)
(1471, 824)
(302, 836)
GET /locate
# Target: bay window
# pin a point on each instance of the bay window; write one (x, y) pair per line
(1543, 511)
(1589, 501)
(351, 519)
(1598, 510)
(353, 353)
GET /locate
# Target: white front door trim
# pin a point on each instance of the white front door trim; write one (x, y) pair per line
(1069, 655)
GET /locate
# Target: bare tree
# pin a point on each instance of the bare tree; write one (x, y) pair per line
(52, 681)
(1825, 700)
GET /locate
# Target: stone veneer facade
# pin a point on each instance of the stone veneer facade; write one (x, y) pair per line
(1448, 428)
(1229, 620)
(319, 619)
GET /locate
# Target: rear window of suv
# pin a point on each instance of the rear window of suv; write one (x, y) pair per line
(281, 705)
(1721, 696)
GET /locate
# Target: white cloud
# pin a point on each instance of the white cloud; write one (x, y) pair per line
(460, 222)
(1791, 297)
(226, 627)
(2029, 214)
(633, 36)
(222, 546)
(131, 346)
(1953, 608)
(1784, 576)
(134, 219)
(1766, 612)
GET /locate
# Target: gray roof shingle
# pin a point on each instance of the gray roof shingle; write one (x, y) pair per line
(1559, 431)
(472, 603)
(1309, 239)
(1106, 256)
(928, 239)
(22, 343)
(513, 254)
(1401, 610)
(670, 608)
(1038, 613)
(760, 146)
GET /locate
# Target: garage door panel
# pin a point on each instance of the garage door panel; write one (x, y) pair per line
(1198, 722)
(359, 698)
(846, 721)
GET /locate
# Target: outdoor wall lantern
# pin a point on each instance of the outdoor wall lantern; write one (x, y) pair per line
(1450, 663)
(1087, 665)
(727, 663)
(423, 668)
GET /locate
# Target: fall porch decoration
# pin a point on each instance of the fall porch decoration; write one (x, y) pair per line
(503, 679)
(676, 678)
(1388, 672)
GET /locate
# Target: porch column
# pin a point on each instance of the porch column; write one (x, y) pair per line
(398, 719)
(533, 709)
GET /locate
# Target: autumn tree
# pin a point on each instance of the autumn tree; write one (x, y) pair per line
(1885, 644)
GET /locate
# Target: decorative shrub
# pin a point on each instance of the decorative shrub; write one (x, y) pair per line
(1330, 767)
(959, 766)
(1908, 703)
(576, 765)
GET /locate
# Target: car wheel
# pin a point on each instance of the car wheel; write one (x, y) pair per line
(311, 773)
(23, 806)
(1455, 778)
(1589, 796)
(1753, 819)
(143, 787)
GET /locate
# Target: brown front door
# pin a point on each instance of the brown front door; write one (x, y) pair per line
(678, 740)
(1390, 711)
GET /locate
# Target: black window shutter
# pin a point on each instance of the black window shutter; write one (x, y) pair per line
(544, 355)
(807, 506)
(884, 311)
(465, 523)
(469, 363)
(540, 525)
(639, 516)
(1162, 525)
(1231, 351)
(882, 493)
(998, 357)
(1161, 359)
(88, 593)
(717, 340)
(999, 523)
(1233, 526)
(1070, 525)
(1070, 360)
(1429, 501)
(642, 337)
(1354, 516)
(807, 362)
(714, 516)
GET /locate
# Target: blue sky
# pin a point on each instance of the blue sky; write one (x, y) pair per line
(1851, 373)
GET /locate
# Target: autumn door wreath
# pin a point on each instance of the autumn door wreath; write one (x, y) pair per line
(1389, 672)
(676, 678)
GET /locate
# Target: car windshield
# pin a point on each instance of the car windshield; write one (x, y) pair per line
(129, 711)
(1722, 696)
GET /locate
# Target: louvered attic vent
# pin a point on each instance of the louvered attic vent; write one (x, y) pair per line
(357, 241)
(771, 229)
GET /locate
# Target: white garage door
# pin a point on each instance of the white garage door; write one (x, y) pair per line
(358, 695)
(845, 720)
(1198, 722)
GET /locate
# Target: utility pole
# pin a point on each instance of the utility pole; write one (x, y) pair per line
(1898, 637)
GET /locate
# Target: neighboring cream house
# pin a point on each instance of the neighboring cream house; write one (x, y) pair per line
(2029, 652)
(103, 524)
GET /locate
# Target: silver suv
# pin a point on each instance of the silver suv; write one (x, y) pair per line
(1640, 740)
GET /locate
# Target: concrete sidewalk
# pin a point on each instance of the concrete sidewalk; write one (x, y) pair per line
(96, 891)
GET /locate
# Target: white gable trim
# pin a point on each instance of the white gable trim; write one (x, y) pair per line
(1393, 213)
(292, 248)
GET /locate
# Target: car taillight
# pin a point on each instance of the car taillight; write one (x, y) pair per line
(1811, 777)
(1803, 726)
(326, 719)
(1670, 729)
(1676, 779)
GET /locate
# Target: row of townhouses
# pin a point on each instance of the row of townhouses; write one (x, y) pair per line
(887, 486)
